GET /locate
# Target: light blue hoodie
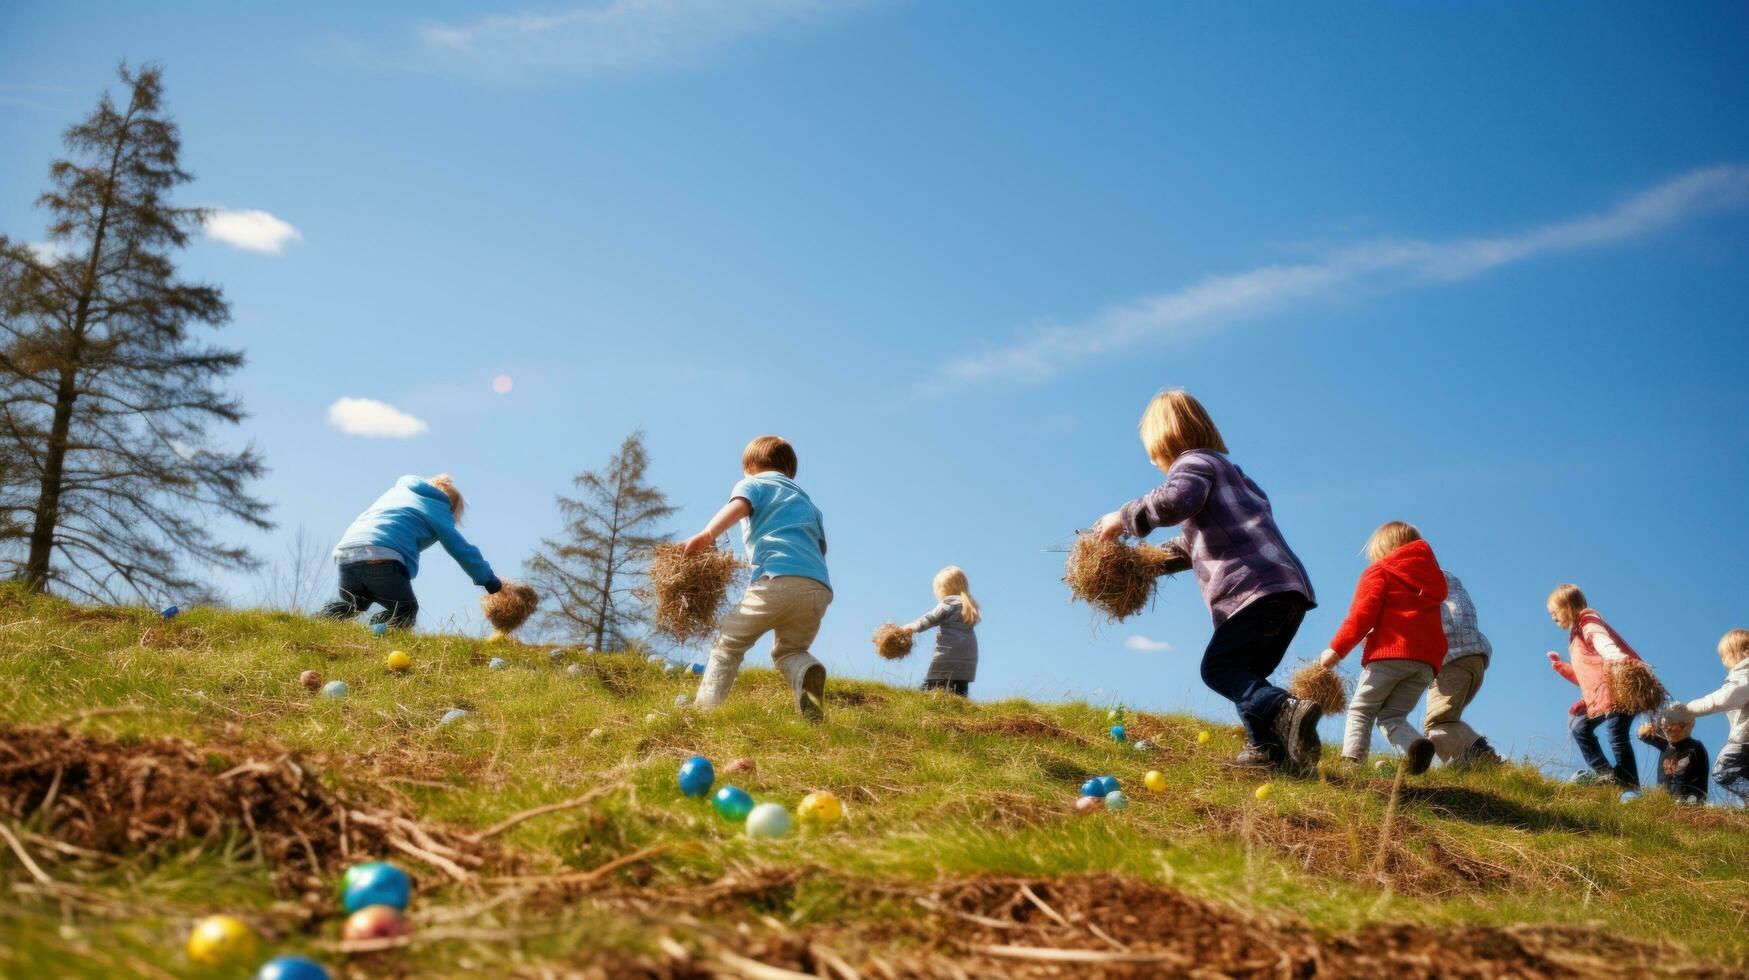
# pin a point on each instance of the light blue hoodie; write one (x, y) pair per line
(407, 520)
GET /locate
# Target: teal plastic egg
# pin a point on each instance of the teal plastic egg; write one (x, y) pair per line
(732, 803)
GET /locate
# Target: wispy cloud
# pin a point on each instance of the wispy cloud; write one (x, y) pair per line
(1217, 301)
(251, 231)
(592, 39)
(373, 419)
(1144, 644)
(47, 253)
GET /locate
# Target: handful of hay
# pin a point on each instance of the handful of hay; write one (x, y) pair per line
(1118, 579)
(690, 590)
(891, 641)
(510, 606)
(1322, 686)
(1635, 689)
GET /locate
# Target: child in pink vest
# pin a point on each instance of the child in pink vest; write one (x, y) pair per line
(1594, 649)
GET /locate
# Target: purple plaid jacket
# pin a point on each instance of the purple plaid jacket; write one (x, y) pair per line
(1228, 529)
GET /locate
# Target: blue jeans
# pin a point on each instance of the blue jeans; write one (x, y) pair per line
(1731, 770)
(1242, 654)
(383, 583)
(1626, 772)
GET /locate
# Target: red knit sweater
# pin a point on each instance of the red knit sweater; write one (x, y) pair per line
(1396, 609)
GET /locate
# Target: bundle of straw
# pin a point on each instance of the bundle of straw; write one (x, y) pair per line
(891, 641)
(1635, 689)
(510, 606)
(1115, 578)
(1322, 686)
(690, 590)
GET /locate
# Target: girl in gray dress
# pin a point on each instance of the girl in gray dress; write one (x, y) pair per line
(955, 664)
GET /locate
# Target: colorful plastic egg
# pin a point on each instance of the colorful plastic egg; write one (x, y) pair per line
(696, 776)
(768, 820)
(1263, 792)
(1087, 804)
(1118, 733)
(575, 670)
(820, 807)
(1107, 785)
(1155, 780)
(1093, 787)
(291, 968)
(1630, 796)
(1202, 738)
(378, 629)
(496, 663)
(657, 659)
(732, 803)
(1143, 745)
(374, 922)
(218, 940)
(398, 661)
(375, 883)
(742, 764)
(311, 680)
(1116, 800)
(335, 689)
(170, 612)
(697, 669)
(452, 716)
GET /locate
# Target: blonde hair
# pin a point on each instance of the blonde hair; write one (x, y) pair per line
(1390, 536)
(1173, 424)
(952, 581)
(768, 453)
(1567, 602)
(1734, 647)
(446, 483)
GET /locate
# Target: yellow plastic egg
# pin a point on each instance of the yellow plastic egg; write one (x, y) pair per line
(1263, 792)
(398, 660)
(221, 939)
(1202, 738)
(1155, 780)
(821, 807)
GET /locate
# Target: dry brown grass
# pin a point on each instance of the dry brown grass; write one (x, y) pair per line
(1635, 689)
(691, 591)
(1118, 579)
(892, 641)
(1321, 686)
(510, 606)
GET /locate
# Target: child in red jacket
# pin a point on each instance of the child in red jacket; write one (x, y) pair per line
(1594, 648)
(1396, 610)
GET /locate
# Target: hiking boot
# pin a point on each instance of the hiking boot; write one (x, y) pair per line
(1480, 753)
(1253, 758)
(1419, 756)
(1296, 724)
(811, 693)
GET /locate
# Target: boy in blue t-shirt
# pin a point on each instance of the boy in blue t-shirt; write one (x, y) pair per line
(789, 591)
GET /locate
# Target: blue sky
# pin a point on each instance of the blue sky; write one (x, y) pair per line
(1483, 267)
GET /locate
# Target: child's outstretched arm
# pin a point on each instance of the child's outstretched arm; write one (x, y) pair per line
(931, 619)
(1649, 735)
(1561, 667)
(1363, 615)
(466, 555)
(1731, 695)
(1182, 495)
(737, 509)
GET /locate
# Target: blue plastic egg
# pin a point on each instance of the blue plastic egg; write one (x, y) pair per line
(1107, 785)
(496, 663)
(1116, 800)
(335, 689)
(1093, 787)
(169, 612)
(291, 968)
(696, 776)
(1118, 733)
(1630, 796)
(452, 716)
(732, 803)
(697, 669)
(375, 883)
(378, 629)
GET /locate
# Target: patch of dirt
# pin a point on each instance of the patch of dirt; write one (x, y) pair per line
(1106, 926)
(174, 638)
(1016, 726)
(853, 698)
(140, 796)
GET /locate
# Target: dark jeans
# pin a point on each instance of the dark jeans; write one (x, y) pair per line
(1242, 654)
(961, 688)
(382, 582)
(1626, 771)
(1731, 770)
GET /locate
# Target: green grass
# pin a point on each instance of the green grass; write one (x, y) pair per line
(935, 789)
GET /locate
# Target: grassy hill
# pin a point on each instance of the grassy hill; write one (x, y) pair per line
(155, 771)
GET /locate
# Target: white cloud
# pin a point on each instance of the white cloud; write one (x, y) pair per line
(252, 231)
(601, 38)
(1216, 301)
(1144, 644)
(373, 419)
(47, 252)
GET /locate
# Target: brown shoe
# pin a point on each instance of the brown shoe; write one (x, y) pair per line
(811, 699)
(1420, 756)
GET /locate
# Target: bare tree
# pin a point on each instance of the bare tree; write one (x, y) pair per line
(595, 567)
(294, 581)
(106, 397)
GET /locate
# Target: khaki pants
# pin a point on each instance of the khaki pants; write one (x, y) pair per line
(1451, 693)
(1387, 692)
(791, 606)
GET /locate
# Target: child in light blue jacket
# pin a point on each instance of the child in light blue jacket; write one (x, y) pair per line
(379, 554)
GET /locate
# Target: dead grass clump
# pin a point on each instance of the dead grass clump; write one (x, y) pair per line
(1635, 689)
(1117, 579)
(174, 638)
(1321, 686)
(123, 797)
(691, 591)
(892, 641)
(510, 606)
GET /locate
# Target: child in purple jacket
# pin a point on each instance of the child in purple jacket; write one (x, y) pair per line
(1256, 589)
